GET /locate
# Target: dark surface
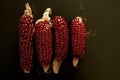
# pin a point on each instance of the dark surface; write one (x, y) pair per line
(102, 57)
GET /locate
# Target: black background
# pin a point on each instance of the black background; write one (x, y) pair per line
(102, 57)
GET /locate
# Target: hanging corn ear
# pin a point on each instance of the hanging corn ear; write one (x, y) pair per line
(60, 41)
(78, 39)
(43, 39)
(25, 37)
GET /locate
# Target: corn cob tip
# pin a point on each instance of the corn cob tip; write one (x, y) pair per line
(27, 6)
(75, 61)
(46, 14)
(28, 10)
(46, 68)
(79, 18)
(56, 66)
(25, 71)
(49, 10)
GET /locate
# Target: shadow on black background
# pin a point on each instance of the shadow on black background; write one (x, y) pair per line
(101, 60)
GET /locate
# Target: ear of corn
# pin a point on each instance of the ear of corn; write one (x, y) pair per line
(61, 38)
(25, 37)
(78, 39)
(43, 39)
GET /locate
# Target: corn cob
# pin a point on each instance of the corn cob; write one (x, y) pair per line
(43, 39)
(25, 37)
(61, 38)
(78, 39)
